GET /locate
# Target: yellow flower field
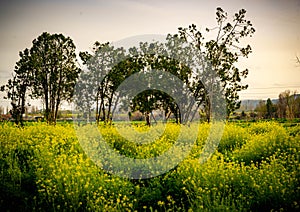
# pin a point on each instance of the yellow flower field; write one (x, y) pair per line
(255, 167)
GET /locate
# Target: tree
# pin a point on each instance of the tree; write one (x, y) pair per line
(16, 88)
(243, 114)
(106, 69)
(261, 109)
(270, 109)
(54, 71)
(223, 53)
(170, 57)
(48, 70)
(156, 56)
(297, 108)
(287, 104)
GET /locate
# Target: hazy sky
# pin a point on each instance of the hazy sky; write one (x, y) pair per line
(275, 44)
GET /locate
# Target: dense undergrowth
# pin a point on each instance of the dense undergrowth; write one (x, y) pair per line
(255, 168)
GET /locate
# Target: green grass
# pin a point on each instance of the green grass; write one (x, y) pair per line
(255, 168)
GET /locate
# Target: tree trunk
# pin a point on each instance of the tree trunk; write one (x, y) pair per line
(97, 107)
(109, 112)
(167, 115)
(115, 106)
(103, 111)
(23, 99)
(147, 118)
(176, 117)
(208, 113)
(56, 109)
(47, 111)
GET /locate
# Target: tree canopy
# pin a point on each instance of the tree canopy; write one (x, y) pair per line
(223, 53)
(205, 67)
(47, 71)
(181, 55)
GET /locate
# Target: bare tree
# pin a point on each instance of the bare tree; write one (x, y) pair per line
(287, 104)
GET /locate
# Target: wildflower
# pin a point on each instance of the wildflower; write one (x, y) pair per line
(160, 203)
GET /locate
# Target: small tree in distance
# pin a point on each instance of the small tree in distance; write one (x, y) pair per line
(287, 104)
(270, 109)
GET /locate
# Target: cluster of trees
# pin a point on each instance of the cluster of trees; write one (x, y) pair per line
(287, 106)
(107, 67)
(49, 71)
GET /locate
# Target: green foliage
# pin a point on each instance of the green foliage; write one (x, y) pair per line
(108, 67)
(223, 53)
(206, 68)
(16, 88)
(53, 64)
(97, 85)
(47, 71)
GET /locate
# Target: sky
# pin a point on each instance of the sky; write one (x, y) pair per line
(276, 42)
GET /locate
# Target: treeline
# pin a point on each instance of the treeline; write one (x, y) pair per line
(287, 106)
(206, 68)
